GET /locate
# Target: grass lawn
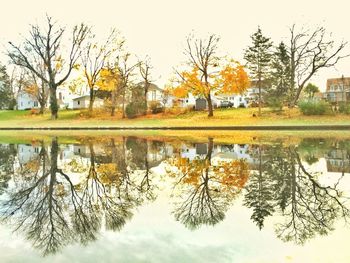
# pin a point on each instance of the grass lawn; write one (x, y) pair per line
(222, 117)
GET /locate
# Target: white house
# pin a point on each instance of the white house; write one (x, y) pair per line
(26, 101)
(188, 102)
(65, 99)
(83, 102)
(156, 94)
(237, 100)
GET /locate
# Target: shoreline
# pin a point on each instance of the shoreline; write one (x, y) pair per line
(211, 128)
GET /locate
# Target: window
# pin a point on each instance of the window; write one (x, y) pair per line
(154, 95)
(78, 102)
(60, 95)
(35, 104)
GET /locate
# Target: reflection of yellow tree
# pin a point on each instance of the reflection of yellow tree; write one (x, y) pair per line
(206, 190)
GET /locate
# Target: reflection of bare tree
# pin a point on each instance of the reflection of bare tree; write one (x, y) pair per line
(313, 207)
(308, 207)
(52, 211)
(37, 208)
(207, 190)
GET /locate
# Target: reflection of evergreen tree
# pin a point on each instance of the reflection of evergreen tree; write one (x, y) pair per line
(311, 149)
(259, 194)
(308, 208)
(138, 151)
(7, 158)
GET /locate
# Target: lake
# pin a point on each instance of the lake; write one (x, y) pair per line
(113, 197)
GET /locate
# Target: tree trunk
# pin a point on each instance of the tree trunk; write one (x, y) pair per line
(259, 86)
(292, 78)
(210, 148)
(296, 97)
(91, 102)
(123, 106)
(210, 106)
(42, 108)
(53, 103)
(113, 101)
(145, 97)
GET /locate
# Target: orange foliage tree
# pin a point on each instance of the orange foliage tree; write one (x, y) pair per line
(205, 76)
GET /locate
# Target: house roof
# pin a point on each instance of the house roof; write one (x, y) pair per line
(82, 97)
(337, 81)
(151, 86)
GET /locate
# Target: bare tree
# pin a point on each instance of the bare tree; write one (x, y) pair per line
(145, 67)
(310, 51)
(95, 56)
(201, 54)
(126, 71)
(44, 46)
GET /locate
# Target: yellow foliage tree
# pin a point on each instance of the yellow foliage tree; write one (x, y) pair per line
(110, 80)
(205, 77)
(231, 79)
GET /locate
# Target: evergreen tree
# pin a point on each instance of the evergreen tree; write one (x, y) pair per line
(7, 98)
(279, 79)
(258, 57)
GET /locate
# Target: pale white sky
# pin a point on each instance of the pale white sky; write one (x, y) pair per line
(158, 28)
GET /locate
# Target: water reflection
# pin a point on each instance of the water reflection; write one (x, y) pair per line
(57, 193)
(206, 187)
(283, 186)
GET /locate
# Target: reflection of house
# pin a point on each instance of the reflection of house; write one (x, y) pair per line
(27, 152)
(197, 150)
(156, 154)
(338, 89)
(219, 152)
(338, 161)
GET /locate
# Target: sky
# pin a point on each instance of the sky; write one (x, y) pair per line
(158, 28)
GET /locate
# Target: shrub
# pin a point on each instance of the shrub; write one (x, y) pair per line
(34, 111)
(275, 103)
(134, 109)
(130, 110)
(155, 107)
(344, 108)
(314, 107)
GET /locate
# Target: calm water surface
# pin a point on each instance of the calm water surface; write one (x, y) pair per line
(147, 199)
